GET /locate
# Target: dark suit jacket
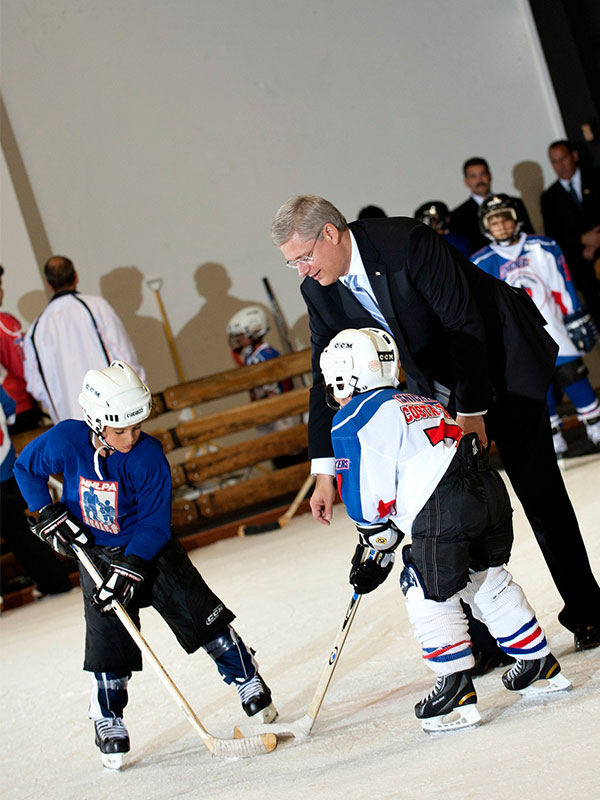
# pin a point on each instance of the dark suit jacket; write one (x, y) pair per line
(565, 221)
(452, 322)
(464, 220)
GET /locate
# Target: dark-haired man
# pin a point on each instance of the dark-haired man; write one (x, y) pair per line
(463, 220)
(571, 211)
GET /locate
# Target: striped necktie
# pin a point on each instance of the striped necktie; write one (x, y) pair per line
(358, 286)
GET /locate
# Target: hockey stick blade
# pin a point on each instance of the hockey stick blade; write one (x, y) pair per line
(252, 746)
(302, 727)
(253, 530)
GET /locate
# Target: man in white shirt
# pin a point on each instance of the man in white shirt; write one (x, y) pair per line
(74, 333)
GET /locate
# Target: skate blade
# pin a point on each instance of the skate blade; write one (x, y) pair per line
(265, 716)
(558, 683)
(113, 761)
(465, 717)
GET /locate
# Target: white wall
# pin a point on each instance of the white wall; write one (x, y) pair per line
(164, 134)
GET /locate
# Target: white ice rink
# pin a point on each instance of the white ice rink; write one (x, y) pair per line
(290, 589)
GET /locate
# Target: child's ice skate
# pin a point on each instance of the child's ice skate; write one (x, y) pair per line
(113, 740)
(450, 705)
(537, 676)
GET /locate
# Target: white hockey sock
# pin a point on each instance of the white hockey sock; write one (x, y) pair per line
(442, 631)
(501, 604)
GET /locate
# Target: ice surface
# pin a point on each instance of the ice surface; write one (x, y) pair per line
(290, 590)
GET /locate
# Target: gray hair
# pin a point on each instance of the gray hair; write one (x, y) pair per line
(304, 214)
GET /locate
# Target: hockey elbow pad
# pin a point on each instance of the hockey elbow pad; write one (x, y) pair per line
(384, 537)
(58, 528)
(369, 569)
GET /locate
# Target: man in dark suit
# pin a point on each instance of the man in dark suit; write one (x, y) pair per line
(473, 342)
(464, 219)
(571, 211)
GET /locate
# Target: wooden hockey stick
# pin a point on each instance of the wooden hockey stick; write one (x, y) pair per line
(254, 745)
(302, 727)
(251, 530)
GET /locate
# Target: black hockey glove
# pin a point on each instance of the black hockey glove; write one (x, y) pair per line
(58, 528)
(581, 329)
(125, 576)
(369, 569)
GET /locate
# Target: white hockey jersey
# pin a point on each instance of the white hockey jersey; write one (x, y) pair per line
(74, 333)
(391, 451)
(536, 264)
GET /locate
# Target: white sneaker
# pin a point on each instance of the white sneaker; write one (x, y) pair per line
(560, 445)
(592, 428)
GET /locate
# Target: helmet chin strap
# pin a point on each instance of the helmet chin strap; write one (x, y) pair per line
(103, 446)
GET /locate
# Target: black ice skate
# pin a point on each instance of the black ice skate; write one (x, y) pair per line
(450, 704)
(256, 699)
(113, 740)
(537, 676)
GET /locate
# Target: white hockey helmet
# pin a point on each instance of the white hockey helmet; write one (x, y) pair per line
(251, 321)
(357, 361)
(114, 396)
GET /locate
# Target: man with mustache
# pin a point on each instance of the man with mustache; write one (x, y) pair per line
(463, 219)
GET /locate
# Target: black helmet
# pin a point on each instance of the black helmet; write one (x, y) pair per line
(434, 213)
(499, 204)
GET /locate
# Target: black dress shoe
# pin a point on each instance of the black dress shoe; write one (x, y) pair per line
(587, 637)
(487, 660)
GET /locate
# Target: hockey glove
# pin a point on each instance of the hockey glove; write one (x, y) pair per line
(58, 528)
(581, 329)
(125, 576)
(384, 537)
(368, 573)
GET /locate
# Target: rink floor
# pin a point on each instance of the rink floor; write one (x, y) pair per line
(290, 590)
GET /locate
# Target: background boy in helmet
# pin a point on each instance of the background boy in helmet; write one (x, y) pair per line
(246, 332)
(110, 464)
(403, 465)
(436, 215)
(536, 264)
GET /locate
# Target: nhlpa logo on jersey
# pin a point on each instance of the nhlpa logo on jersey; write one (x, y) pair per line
(342, 463)
(98, 501)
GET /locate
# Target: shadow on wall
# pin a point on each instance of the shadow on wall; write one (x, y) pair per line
(31, 305)
(123, 287)
(528, 180)
(202, 342)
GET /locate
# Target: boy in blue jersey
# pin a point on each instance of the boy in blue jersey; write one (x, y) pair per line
(536, 264)
(403, 465)
(116, 503)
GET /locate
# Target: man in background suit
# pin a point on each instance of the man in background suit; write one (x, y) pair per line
(464, 220)
(474, 343)
(571, 211)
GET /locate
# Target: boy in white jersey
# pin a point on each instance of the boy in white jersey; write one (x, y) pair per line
(403, 465)
(536, 264)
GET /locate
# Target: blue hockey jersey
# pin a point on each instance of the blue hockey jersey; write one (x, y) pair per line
(130, 507)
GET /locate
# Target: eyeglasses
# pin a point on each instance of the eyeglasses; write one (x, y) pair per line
(296, 262)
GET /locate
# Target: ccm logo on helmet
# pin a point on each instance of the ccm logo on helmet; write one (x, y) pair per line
(91, 389)
(385, 356)
(343, 345)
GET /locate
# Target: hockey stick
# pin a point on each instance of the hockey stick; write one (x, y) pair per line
(278, 316)
(251, 530)
(255, 745)
(302, 727)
